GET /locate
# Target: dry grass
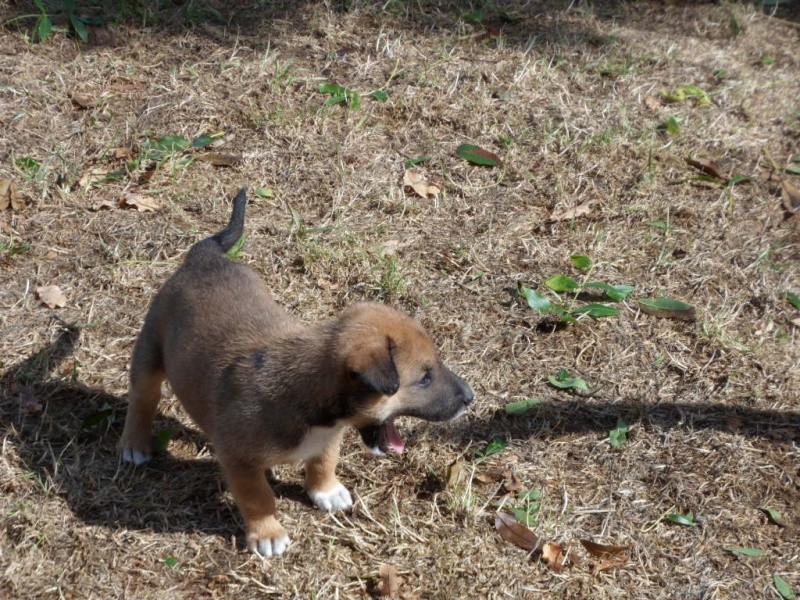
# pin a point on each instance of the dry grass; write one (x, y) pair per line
(560, 95)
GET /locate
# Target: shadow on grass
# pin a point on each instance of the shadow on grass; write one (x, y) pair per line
(66, 433)
(45, 419)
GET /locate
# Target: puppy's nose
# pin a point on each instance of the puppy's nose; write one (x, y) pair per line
(467, 395)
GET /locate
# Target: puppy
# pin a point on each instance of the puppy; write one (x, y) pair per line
(268, 390)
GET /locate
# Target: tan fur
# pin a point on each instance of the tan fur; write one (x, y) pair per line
(266, 389)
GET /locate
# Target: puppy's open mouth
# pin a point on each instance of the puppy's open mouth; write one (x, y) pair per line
(383, 437)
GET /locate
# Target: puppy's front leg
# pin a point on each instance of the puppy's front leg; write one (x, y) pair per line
(256, 501)
(321, 483)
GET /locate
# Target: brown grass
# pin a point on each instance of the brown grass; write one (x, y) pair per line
(560, 95)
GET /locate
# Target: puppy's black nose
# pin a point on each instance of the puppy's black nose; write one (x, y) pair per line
(467, 395)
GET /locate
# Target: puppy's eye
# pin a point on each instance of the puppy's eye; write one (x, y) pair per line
(426, 379)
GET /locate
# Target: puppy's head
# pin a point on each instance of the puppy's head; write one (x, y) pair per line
(393, 363)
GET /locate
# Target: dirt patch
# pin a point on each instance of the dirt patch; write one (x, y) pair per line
(586, 105)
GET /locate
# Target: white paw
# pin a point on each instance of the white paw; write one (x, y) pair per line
(272, 546)
(137, 457)
(336, 499)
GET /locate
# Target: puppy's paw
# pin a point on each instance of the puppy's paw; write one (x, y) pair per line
(136, 456)
(337, 498)
(270, 540)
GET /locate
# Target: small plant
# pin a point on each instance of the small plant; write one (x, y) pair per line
(687, 520)
(618, 435)
(340, 95)
(686, 92)
(530, 507)
(493, 447)
(564, 381)
(12, 248)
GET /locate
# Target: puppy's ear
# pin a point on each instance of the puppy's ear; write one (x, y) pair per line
(372, 364)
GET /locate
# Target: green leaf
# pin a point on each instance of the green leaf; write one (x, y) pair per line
(564, 381)
(40, 5)
(162, 438)
(775, 516)
(793, 299)
(666, 308)
(783, 587)
(745, 551)
(171, 561)
(526, 514)
(736, 180)
(793, 170)
(236, 250)
(477, 155)
(617, 293)
(80, 28)
(521, 406)
(413, 162)
(687, 519)
(332, 88)
(353, 100)
(531, 495)
(618, 435)
(673, 126)
(264, 192)
(340, 95)
(104, 414)
(562, 283)
(336, 99)
(379, 95)
(44, 27)
(581, 262)
(597, 311)
(493, 447)
(29, 166)
(202, 141)
(705, 178)
(534, 299)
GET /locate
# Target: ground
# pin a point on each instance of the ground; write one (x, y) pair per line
(591, 105)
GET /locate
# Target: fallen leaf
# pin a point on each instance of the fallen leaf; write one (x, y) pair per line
(706, 166)
(456, 475)
(477, 155)
(602, 550)
(102, 205)
(422, 187)
(666, 308)
(745, 551)
(652, 103)
(510, 482)
(83, 101)
(783, 587)
(51, 296)
(604, 564)
(122, 153)
(390, 582)
(515, 532)
(10, 195)
(326, 285)
(791, 198)
(138, 201)
(553, 555)
(775, 516)
(484, 478)
(573, 213)
(96, 175)
(220, 159)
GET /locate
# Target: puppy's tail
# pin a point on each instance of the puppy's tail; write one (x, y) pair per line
(226, 238)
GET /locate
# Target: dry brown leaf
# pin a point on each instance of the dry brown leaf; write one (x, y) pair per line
(791, 198)
(326, 285)
(103, 204)
(604, 564)
(51, 296)
(515, 532)
(10, 195)
(510, 482)
(706, 166)
(221, 159)
(83, 101)
(456, 475)
(138, 201)
(422, 187)
(596, 549)
(122, 153)
(652, 103)
(390, 581)
(484, 478)
(573, 213)
(553, 555)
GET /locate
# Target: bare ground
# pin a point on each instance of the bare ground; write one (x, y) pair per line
(569, 95)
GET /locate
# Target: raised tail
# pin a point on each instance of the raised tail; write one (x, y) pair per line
(226, 238)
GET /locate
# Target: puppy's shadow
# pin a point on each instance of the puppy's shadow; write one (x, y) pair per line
(65, 435)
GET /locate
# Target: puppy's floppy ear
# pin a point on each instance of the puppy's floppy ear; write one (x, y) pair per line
(373, 365)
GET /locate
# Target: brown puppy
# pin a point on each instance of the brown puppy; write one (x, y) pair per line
(268, 390)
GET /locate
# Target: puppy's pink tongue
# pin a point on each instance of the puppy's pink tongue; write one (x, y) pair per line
(393, 439)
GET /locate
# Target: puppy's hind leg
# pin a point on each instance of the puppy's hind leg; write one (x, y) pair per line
(321, 483)
(146, 376)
